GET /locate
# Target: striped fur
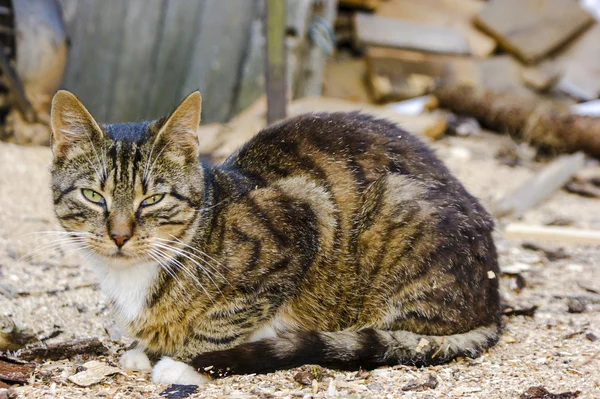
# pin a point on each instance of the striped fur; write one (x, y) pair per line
(336, 239)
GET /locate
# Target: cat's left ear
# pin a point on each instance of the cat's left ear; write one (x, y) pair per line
(180, 129)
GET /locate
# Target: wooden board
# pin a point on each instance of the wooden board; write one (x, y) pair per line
(580, 66)
(137, 59)
(457, 14)
(392, 32)
(532, 29)
(395, 74)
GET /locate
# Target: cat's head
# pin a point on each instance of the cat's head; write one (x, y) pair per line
(127, 192)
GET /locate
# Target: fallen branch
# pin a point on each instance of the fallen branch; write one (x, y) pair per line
(62, 350)
(544, 123)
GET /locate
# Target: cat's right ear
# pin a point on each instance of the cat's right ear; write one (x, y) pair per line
(72, 124)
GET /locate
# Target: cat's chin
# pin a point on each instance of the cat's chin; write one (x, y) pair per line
(118, 260)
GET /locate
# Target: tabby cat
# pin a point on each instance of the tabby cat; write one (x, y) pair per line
(334, 239)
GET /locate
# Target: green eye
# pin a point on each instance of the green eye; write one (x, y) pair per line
(156, 198)
(92, 196)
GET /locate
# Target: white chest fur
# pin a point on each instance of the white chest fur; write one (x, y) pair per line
(127, 287)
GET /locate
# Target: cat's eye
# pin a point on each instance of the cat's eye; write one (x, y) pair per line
(92, 196)
(156, 198)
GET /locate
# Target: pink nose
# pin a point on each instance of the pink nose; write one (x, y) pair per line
(119, 240)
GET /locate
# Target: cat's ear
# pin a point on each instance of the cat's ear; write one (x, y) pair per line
(180, 130)
(72, 124)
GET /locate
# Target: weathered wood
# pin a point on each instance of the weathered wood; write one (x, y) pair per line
(564, 235)
(580, 66)
(532, 29)
(95, 29)
(252, 81)
(391, 32)
(93, 373)
(276, 61)
(540, 186)
(15, 372)
(549, 124)
(395, 74)
(457, 14)
(63, 350)
(215, 59)
(173, 55)
(133, 73)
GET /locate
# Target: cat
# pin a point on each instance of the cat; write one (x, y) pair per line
(335, 239)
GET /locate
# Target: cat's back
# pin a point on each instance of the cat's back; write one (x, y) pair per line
(331, 144)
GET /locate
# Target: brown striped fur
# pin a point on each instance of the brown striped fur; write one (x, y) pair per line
(336, 239)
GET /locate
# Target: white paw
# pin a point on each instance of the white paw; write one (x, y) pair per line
(168, 371)
(135, 359)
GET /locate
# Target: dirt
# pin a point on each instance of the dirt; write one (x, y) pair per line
(51, 291)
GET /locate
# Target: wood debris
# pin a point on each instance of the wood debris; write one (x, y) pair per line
(93, 372)
(377, 30)
(13, 371)
(62, 350)
(540, 186)
(530, 29)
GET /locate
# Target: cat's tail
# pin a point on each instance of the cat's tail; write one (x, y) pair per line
(345, 350)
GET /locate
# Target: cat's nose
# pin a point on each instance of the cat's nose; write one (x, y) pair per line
(120, 240)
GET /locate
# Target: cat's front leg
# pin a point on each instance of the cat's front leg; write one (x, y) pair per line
(168, 371)
(135, 359)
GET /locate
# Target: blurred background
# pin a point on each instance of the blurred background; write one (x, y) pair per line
(504, 91)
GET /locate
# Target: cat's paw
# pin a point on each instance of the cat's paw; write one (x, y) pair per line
(168, 371)
(135, 359)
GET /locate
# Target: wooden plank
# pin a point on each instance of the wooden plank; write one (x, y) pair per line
(134, 71)
(532, 29)
(395, 74)
(95, 29)
(391, 32)
(173, 55)
(580, 65)
(564, 235)
(252, 81)
(540, 186)
(457, 14)
(215, 60)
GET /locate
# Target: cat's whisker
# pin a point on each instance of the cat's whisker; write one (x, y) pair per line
(54, 244)
(178, 241)
(185, 254)
(58, 232)
(186, 271)
(65, 249)
(158, 258)
(204, 261)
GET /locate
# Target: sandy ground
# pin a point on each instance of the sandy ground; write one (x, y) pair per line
(554, 348)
